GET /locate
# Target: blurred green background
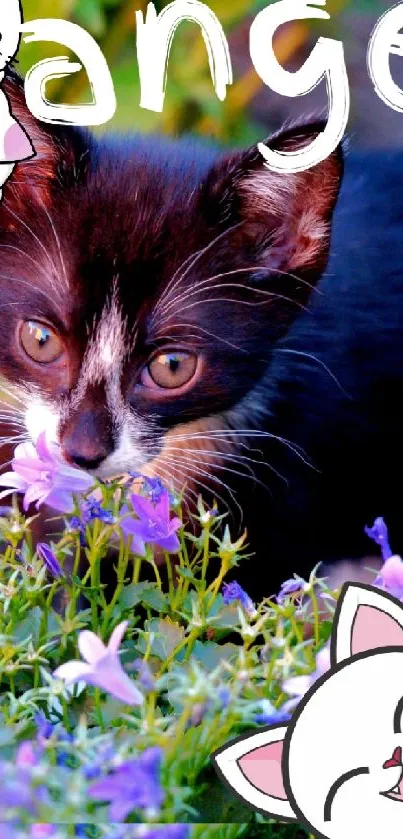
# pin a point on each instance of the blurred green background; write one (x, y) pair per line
(251, 110)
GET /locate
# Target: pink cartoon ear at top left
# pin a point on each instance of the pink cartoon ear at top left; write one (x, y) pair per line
(15, 145)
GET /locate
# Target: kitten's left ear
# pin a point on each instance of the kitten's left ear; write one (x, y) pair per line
(284, 219)
(366, 619)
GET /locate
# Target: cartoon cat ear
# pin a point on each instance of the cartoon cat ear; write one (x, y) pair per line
(365, 619)
(15, 144)
(252, 768)
(54, 149)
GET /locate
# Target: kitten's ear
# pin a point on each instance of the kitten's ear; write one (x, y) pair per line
(53, 148)
(366, 619)
(252, 767)
(284, 219)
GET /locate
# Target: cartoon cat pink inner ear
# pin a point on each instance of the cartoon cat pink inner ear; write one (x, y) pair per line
(373, 628)
(262, 768)
(17, 146)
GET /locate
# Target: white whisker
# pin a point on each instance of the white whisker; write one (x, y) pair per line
(34, 236)
(321, 364)
(172, 285)
(59, 247)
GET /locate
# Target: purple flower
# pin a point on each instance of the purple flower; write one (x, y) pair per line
(91, 772)
(104, 756)
(135, 785)
(92, 510)
(276, 718)
(38, 831)
(291, 587)
(146, 676)
(28, 754)
(233, 592)
(52, 564)
(379, 534)
(44, 727)
(390, 577)
(297, 686)
(77, 525)
(153, 525)
(154, 488)
(44, 477)
(224, 697)
(16, 788)
(101, 666)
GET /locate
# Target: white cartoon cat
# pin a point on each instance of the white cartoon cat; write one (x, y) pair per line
(15, 144)
(337, 766)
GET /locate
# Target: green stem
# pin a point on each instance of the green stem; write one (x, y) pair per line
(215, 586)
(316, 622)
(121, 574)
(206, 553)
(136, 570)
(98, 708)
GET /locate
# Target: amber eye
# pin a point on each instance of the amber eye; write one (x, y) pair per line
(172, 370)
(40, 342)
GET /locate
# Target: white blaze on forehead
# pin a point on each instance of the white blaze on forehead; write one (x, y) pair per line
(106, 349)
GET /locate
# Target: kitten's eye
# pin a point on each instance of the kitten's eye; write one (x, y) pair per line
(170, 370)
(40, 342)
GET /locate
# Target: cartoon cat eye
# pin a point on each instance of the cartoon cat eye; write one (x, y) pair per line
(336, 786)
(397, 717)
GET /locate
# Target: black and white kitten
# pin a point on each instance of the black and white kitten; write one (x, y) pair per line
(159, 313)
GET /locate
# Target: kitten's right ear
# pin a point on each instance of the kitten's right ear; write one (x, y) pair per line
(366, 619)
(281, 221)
(53, 146)
(252, 767)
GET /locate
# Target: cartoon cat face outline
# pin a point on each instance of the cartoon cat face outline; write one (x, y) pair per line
(268, 770)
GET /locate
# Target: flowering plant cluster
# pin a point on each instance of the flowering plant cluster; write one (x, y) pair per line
(113, 698)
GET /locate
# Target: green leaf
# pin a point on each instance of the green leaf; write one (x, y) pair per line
(168, 636)
(210, 654)
(29, 627)
(146, 593)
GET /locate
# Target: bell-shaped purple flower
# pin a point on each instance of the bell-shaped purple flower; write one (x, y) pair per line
(390, 577)
(44, 477)
(135, 785)
(379, 534)
(153, 525)
(49, 558)
(101, 666)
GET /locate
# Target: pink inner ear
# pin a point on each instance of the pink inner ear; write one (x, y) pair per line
(262, 767)
(16, 144)
(373, 628)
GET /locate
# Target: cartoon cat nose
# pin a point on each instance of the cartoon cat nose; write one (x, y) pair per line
(87, 441)
(395, 760)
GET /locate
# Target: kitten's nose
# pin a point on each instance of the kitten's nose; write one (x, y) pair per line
(85, 462)
(87, 441)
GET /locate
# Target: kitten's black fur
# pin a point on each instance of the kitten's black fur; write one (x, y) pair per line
(322, 372)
